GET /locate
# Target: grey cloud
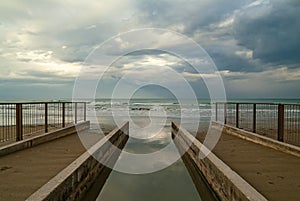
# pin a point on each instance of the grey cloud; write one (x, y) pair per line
(50, 25)
(271, 31)
(192, 14)
(200, 15)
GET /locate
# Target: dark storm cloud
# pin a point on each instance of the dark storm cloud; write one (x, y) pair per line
(193, 14)
(272, 31)
(201, 15)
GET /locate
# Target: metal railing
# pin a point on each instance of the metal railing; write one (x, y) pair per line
(22, 119)
(274, 120)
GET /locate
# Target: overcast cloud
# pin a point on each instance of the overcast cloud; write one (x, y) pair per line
(254, 44)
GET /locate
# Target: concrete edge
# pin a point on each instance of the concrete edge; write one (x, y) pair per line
(258, 139)
(30, 142)
(74, 181)
(225, 182)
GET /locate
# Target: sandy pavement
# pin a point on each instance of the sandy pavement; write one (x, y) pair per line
(23, 172)
(273, 173)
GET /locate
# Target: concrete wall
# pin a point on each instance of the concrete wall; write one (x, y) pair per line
(253, 137)
(226, 183)
(24, 144)
(73, 182)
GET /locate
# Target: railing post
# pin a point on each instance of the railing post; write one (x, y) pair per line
(280, 122)
(75, 113)
(19, 122)
(254, 118)
(237, 115)
(46, 117)
(225, 113)
(63, 114)
(216, 111)
(84, 111)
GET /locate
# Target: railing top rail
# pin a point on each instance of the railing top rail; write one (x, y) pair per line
(13, 103)
(259, 103)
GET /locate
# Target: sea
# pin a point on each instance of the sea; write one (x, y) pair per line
(191, 110)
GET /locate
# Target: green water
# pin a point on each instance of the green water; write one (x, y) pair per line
(171, 183)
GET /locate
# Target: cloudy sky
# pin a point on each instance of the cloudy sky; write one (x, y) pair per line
(255, 45)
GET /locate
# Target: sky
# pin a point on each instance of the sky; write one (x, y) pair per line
(45, 45)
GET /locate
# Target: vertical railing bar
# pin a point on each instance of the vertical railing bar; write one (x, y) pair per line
(237, 115)
(10, 127)
(46, 117)
(225, 113)
(254, 119)
(25, 118)
(63, 115)
(7, 128)
(280, 122)
(19, 128)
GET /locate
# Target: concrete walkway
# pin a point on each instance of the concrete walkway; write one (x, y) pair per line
(23, 172)
(275, 174)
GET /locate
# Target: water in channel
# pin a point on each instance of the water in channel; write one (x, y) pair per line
(170, 183)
